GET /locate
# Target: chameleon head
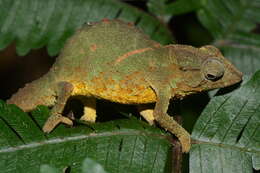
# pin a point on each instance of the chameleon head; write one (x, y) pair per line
(216, 71)
(205, 68)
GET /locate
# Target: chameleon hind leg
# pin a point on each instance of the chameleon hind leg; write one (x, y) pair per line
(64, 92)
(89, 109)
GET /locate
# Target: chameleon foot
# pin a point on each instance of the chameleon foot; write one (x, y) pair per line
(185, 141)
(89, 110)
(89, 115)
(53, 121)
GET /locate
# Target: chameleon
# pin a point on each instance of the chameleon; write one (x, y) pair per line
(116, 61)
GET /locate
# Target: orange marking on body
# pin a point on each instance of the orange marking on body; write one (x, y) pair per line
(157, 45)
(105, 20)
(130, 24)
(82, 51)
(93, 47)
(80, 88)
(133, 52)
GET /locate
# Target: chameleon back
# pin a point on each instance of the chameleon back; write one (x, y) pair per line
(90, 57)
(94, 47)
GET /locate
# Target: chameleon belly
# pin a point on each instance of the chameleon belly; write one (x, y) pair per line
(136, 94)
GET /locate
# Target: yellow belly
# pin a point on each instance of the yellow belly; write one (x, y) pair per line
(126, 95)
(80, 88)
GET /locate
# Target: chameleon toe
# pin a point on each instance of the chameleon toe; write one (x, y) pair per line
(53, 121)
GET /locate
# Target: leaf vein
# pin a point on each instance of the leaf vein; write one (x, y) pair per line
(234, 120)
(156, 153)
(213, 115)
(253, 114)
(74, 138)
(132, 155)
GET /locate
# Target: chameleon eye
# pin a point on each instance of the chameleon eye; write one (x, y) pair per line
(211, 77)
(213, 69)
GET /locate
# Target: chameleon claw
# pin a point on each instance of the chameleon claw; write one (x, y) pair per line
(53, 121)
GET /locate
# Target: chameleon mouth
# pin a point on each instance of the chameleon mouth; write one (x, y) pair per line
(232, 76)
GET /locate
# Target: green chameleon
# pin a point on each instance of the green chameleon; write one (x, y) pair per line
(114, 60)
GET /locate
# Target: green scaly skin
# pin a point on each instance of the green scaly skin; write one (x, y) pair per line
(114, 60)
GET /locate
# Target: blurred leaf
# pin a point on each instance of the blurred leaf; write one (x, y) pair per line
(232, 23)
(126, 145)
(226, 135)
(159, 9)
(37, 23)
(90, 166)
(165, 9)
(48, 169)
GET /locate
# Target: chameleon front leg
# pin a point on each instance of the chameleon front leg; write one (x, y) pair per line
(89, 109)
(167, 122)
(64, 91)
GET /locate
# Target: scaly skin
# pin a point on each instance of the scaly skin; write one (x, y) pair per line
(115, 61)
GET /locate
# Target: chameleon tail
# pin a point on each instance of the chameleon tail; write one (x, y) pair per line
(33, 94)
